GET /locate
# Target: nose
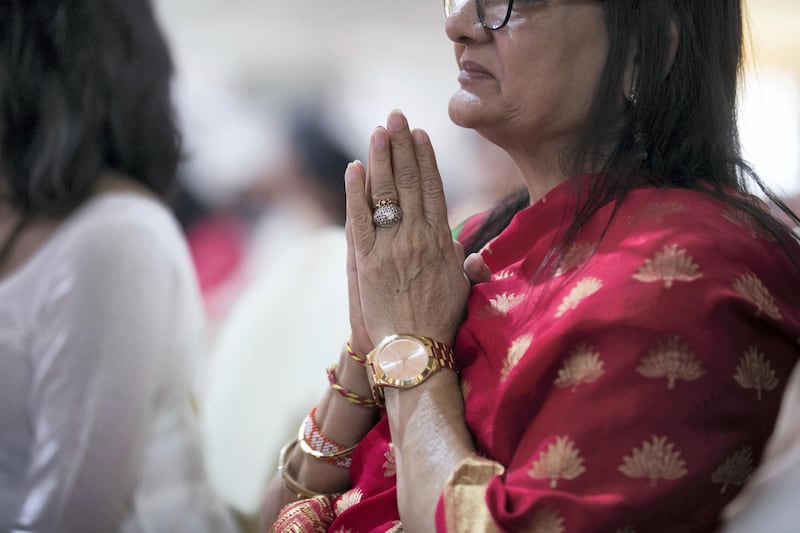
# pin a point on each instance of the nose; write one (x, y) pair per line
(463, 24)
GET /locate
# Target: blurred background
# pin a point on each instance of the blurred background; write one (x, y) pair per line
(248, 68)
(240, 61)
(274, 99)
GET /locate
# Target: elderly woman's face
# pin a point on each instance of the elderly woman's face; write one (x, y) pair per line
(533, 79)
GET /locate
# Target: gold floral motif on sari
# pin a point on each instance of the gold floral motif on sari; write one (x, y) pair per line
(658, 211)
(390, 465)
(515, 352)
(578, 254)
(735, 470)
(466, 388)
(348, 499)
(582, 366)
(669, 265)
(501, 305)
(754, 291)
(503, 274)
(582, 290)
(746, 221)
(673, 360)
(561, 460)
(397, 527)
(755, 372)
(654, 460)
(546, 520)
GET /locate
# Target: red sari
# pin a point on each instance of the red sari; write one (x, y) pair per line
(632, 391)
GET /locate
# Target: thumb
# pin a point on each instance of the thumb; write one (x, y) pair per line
(476, 268)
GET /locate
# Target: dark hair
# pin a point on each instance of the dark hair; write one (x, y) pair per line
(685, 123)
(84, 86)
(322, 160)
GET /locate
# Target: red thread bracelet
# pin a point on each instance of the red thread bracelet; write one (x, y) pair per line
(353, 355)
(348, 395)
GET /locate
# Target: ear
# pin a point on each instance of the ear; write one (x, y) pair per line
(674, 37)
(630, 77)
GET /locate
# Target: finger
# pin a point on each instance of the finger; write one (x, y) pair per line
(359, 213)
(404, 165)
(352, 273)
(381, 178)
(359, 338)
(433, 200)
(476, 269)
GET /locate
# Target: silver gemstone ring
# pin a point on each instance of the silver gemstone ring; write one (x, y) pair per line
(387, 214)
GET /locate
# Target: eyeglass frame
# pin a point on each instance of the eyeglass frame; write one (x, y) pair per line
(478, 8)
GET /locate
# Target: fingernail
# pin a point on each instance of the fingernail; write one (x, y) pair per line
(379, 138)
(396, 121)
(487, 272)
(420, 137)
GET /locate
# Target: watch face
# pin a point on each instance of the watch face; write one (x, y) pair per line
(403, 360)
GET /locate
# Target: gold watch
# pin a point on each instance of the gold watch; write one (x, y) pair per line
(405, 361)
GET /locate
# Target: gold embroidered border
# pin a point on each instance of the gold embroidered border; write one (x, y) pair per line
(464, 496)
(313, 515)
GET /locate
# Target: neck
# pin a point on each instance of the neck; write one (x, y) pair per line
(541, 170)
(539, 159)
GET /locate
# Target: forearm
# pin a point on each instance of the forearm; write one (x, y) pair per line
(342, 422)
(430, 439)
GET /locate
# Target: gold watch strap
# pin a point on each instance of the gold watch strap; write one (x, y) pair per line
(442, 353)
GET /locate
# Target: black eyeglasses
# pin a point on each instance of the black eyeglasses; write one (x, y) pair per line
(493, 14)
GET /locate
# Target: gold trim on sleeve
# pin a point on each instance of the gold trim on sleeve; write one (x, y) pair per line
(464, 494)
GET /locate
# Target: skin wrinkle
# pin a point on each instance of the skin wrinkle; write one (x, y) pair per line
(533, 91)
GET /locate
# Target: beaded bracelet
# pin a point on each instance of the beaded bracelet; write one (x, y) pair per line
(353, 355)
(289, 481)
(313, 442)
(348, 395)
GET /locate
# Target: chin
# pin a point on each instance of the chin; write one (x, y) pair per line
(466, 109)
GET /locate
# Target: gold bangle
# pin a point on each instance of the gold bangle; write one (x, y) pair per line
(309, 426)
(290, 482)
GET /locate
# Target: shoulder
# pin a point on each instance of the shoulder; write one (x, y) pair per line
(129, 210)
(689, 228)
(123, 223)
(122, 240)
(681, 260)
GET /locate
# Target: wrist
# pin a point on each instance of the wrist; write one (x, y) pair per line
(405, 361)
(437, 402)
(352, 374)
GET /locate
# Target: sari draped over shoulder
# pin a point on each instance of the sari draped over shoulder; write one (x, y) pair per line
(630, 388)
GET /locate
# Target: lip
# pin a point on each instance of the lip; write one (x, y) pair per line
(470, 70)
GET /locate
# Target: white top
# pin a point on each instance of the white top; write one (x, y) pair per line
(269, 360)
(100, 333)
